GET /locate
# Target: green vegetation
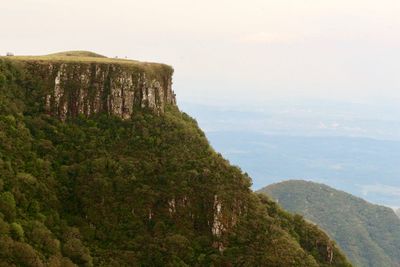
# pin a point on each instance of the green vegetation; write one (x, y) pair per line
(83, 57)
(148, 191)
(77, 54)
(369, 234)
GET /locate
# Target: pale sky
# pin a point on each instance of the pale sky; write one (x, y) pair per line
(228, 51)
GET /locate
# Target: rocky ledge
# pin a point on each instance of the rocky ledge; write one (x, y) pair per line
(74, 84)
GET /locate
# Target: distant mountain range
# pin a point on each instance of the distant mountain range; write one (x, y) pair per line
(369, 234)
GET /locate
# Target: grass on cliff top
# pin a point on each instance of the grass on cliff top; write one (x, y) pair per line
(77, 53)
(81, 57)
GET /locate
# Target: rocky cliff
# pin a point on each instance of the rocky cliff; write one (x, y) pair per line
(91, 190)
(76, 83)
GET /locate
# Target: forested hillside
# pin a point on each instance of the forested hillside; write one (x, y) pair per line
(369, 234)
(107, 188)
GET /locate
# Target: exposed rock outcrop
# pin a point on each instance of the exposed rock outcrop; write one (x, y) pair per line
(73, 88)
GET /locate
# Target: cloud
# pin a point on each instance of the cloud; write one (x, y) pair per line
(335, 125)
(331, 126)
(337, 167)
(381, 189)
(269, 38)
(322, 125)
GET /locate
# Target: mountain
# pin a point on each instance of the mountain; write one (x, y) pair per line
(98, 167)
(369, 234)
(397, 212)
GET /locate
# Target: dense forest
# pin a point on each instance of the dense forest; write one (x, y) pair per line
(369, 234)
(100, 190)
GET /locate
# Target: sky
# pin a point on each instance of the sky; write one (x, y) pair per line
(228, 52)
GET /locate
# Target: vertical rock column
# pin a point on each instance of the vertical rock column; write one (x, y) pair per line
(117, 89)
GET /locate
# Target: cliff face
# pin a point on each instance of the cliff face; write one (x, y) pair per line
(146, 191)
(72, 88)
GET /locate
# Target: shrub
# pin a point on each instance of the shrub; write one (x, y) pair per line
(7, 205)
(17, 232)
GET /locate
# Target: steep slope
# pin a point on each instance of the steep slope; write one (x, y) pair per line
(369, 234)
(135, 184)
(397, 212)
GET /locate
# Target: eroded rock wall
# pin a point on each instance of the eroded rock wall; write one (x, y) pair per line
(72, 88)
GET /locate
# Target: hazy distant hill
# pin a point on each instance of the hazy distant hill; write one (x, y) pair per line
(283, 141)
(369, 234)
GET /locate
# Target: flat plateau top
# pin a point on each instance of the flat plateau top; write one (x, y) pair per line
(80, 57)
